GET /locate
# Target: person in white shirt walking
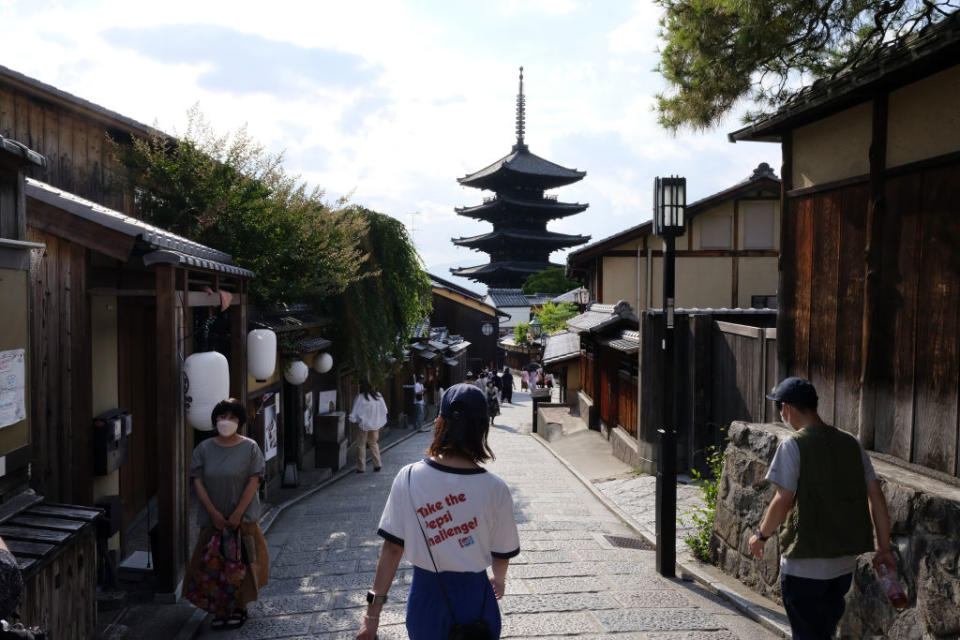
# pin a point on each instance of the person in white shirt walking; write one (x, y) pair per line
(370, 414)
(418, 403)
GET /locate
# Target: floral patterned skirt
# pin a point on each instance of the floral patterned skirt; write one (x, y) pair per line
(255, 546)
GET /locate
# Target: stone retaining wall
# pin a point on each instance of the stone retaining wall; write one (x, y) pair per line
(925, 529)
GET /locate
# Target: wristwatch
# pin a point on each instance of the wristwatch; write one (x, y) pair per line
(760, 536)
(373, 598)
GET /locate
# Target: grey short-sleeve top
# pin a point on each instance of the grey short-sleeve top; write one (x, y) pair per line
(225, 472)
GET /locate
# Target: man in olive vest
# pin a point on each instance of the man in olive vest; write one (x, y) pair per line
(826, 495)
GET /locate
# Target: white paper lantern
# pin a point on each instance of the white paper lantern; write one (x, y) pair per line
(207, 383)
(261, 353)
(322, 362)
(296, 372)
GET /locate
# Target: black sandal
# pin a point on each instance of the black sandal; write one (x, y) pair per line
(236, 620)
(218, 624)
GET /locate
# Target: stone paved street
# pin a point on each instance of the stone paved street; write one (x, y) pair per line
(569, 580)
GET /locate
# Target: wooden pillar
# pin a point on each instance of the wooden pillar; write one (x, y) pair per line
(238, 345)
(81, 378)
(735, 279)
(786, 265)
(872, 304)
(171, 466)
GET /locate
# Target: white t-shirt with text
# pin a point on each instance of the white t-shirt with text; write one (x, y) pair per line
(466, 515)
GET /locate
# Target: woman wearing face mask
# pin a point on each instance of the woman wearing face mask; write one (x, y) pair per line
(227, 471)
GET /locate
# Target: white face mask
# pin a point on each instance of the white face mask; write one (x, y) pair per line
(226, 428)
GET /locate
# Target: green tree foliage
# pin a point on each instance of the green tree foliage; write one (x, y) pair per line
(376, 314)
(520, 333)
(550, 280)
(554, 316)
(719, 52)
(227, 192)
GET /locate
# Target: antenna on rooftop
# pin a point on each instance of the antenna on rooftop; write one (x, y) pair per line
(521, 113)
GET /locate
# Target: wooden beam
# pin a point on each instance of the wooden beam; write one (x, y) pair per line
(238, 346)
(735, 278)
(872, 277)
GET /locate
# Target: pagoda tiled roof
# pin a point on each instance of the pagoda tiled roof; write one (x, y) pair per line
(522, 166)
(541, 237)
(495, 267)
(546, 208)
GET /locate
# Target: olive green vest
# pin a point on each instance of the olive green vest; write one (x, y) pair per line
(830, 515)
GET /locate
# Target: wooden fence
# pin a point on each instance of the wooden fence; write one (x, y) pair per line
(723, 371)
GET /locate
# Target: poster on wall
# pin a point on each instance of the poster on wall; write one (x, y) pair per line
(308, 412)
(326, 401)
(13, 406)
(270, 431)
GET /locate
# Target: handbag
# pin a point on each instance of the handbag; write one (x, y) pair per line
(215, 585)
(476, 630)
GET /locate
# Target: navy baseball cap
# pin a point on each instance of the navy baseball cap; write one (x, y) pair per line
(795, 390)
(468, 398)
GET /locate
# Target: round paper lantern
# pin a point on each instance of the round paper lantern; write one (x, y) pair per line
(261, 353)
(296, 372)
(322, 362)
(207, 377)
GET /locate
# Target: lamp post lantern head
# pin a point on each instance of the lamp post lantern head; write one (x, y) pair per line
(669, 205)
(536, 328)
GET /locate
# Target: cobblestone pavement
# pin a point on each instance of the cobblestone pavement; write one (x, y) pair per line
(569, 580)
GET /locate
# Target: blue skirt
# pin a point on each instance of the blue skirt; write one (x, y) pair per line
(471, 594)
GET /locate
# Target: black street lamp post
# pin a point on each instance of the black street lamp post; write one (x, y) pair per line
(669, 203)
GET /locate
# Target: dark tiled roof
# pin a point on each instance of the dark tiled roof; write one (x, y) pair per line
(516, 298)
(507, 297)
(521, 161)
(896, 63)
(163, 246)
(542, 238)
(494, 267)
(626, 341)
(601, 316)
(561, 346)
(312, 344)
(440, 283)
(570, 296)
(547, 208)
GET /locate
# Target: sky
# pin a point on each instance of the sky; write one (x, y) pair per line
(390, 102)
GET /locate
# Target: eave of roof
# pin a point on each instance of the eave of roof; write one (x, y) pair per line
(896, 64)
(522, 162)
(49, 92)
(494, 267)
(599, 317)
(501, 202)
(544, 237)
(23, 153)
(161, 246)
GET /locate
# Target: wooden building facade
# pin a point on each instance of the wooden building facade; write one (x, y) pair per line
(870, 273)
(726, 258)
(609, 375)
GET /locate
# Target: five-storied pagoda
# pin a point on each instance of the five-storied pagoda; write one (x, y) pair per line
(519, 244)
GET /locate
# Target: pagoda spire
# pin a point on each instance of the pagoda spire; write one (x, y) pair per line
(521, 115)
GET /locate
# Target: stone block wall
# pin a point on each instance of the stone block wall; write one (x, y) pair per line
(925, 532)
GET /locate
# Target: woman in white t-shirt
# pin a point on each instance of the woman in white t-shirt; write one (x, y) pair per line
(465, 515)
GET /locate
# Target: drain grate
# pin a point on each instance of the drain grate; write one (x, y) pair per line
(624, 542)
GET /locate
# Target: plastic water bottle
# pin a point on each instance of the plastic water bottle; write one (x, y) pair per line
(891, 586)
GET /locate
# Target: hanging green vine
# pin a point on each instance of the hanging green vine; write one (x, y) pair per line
(376, 314)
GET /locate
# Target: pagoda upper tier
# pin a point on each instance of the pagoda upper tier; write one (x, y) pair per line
(520, 243)
(521, 211)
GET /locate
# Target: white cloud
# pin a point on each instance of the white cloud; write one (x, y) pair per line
(439, 102)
